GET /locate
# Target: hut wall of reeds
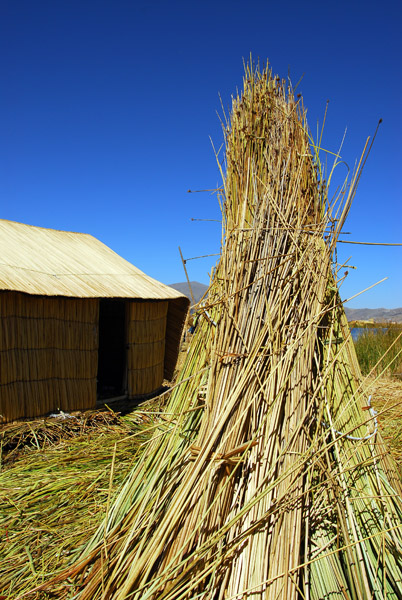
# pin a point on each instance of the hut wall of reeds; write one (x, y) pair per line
(146, 346)
(48, 354)
(76, 321)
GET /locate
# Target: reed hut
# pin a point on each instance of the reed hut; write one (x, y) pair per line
(77, 321)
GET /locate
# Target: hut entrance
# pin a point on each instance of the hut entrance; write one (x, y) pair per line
(112, 348)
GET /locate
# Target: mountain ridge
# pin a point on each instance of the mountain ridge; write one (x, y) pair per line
(393, 315)
(197, 288)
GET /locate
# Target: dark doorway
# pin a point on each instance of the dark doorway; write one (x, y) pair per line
(112, 348)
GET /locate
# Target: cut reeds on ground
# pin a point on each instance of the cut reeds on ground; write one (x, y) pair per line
(57, 476)
(271, 479)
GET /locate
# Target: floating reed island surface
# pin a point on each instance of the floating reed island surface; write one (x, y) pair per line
(57, 477)
(269, 478)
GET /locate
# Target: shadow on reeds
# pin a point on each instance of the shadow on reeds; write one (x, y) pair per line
(22, 436)
(50, 430)
(124, 405)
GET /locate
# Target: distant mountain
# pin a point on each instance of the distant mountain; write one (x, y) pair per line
(198, 289)
(375, 314)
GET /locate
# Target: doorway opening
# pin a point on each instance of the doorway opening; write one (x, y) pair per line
(112, 348)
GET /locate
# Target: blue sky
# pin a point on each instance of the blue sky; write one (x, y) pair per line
(107, 110)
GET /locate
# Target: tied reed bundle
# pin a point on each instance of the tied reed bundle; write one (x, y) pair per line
(269, 479)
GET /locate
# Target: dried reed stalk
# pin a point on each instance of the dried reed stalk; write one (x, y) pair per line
(266, 482)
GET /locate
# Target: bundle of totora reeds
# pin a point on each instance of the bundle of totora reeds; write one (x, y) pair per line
(268, 477)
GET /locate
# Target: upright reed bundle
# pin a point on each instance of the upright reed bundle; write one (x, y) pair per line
(268, 479)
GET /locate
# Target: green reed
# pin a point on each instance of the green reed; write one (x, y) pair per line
(380, 350)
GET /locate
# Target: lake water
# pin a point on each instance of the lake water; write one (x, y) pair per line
(358, 331)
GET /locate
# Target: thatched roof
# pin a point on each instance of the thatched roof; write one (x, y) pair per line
(47, 262)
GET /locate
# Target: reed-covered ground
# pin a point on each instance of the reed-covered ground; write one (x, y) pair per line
(387, 400)
(56, 480)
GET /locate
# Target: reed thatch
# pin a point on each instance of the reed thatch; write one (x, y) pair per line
(51, 286)
(47, 262)
(271, 479)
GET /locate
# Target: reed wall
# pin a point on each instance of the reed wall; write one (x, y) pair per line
(146, 332)
(48, 354)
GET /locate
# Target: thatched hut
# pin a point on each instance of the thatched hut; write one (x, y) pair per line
(76, 321)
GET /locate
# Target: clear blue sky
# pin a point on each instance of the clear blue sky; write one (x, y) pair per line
(107, 109)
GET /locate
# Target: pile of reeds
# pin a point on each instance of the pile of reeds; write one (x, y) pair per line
(270, 479)
(24, 436)
(387, 400)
